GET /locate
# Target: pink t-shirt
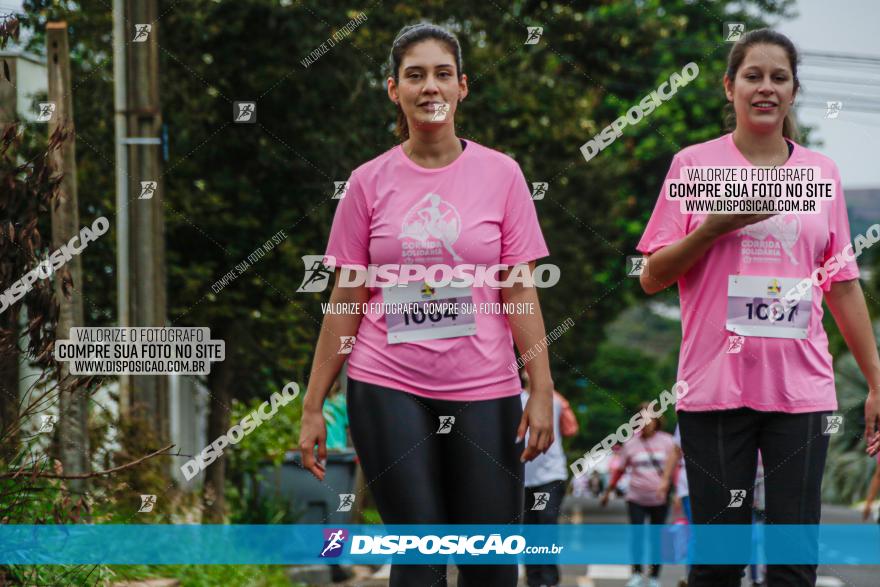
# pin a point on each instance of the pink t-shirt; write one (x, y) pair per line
(646, 459)
(484, 203)
(769, 374)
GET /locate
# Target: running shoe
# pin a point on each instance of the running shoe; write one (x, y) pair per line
(635, 581)
(652, 582)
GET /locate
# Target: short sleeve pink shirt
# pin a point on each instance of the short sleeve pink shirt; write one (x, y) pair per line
(645, 458)
(490, 218)
(768, 374)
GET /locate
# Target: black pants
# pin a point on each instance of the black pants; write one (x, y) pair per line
(721, 454)
(656, 515)
(545, 574)
(470, 475)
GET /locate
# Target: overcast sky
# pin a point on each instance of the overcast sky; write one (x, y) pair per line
(845, 26)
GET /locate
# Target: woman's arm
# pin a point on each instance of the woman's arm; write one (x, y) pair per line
(666, 265)
(668, 469)
(616, 474)
(325, 368)
(847, 304)
(568, 424)
(528, 331)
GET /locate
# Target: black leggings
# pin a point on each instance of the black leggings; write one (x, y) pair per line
(721, 454)
(470, 475)
(544, 573)
(656, 515)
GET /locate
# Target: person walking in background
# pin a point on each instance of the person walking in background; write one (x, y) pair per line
(758, 571)
(675, 469)
(545, 480)
(615, 463)
(644, 456)
(335, 411)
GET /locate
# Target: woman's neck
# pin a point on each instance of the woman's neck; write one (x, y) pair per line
(761, 148)
(432, 149)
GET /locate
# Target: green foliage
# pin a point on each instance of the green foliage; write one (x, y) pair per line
(268, 442)
(620, 379)
(637, 360)
(371, 516)
(188, 575)
(848, 469)
(249, 506)
(265, 446)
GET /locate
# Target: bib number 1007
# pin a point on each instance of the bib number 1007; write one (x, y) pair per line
(755, 308)
(773, 311)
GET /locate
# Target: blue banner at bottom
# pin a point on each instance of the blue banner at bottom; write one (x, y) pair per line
(438, 544)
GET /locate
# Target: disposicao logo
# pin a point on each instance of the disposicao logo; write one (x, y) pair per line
(334, 542)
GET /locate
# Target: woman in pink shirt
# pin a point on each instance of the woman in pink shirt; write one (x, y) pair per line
(759, 379)
(433, 397)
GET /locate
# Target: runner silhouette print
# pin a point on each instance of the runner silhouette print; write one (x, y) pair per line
(433, 217)
(785, 228)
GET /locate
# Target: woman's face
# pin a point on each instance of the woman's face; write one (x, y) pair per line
(428, 89)
(763, 90)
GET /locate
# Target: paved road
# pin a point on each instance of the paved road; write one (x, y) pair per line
(588, 511)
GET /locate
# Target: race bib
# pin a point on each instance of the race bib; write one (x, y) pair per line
(755, 308)
(418, 311)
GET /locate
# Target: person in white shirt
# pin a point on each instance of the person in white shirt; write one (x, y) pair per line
(545, 481)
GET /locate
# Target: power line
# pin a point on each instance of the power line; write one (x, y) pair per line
(842, 57)
(847, 107)
(841, 96)
(841, 80)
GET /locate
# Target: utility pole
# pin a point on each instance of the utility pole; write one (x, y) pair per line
(146, 255)
(74, 401)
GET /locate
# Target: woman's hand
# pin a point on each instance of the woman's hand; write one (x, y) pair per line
(604, 501)
(537, 418)
(866, 512)
(313, 431)
(663, 488)
(872, 422)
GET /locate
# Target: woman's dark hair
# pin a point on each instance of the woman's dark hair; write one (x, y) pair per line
(406, 38)
(738, 54)
(661, 419)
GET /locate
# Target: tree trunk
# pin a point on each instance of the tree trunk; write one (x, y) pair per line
(220, 385)
(73, 418)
